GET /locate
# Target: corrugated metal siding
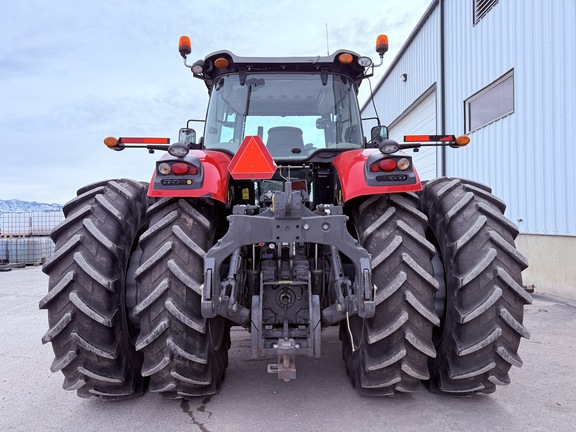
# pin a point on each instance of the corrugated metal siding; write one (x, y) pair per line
(421, 63)
(528, 157)
(421, 119)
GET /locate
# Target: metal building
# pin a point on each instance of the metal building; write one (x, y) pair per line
(501, 71)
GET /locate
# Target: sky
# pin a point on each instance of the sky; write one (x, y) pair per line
(73, 72)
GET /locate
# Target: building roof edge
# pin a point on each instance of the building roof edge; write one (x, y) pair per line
(400, 53)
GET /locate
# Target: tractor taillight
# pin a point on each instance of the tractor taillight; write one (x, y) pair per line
(387, 164)
(180, 168)
(389, 170)
(164, 168)
(403, 164)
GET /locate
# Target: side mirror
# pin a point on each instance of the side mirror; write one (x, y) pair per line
(187, 136)
(378, 134)
(322, 123)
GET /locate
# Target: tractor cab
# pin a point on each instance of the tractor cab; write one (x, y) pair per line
(298, 106)
(295, 114)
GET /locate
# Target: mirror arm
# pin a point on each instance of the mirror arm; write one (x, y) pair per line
(436, 144)
(120, 147)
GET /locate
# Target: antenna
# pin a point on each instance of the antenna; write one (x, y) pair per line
(327, 46)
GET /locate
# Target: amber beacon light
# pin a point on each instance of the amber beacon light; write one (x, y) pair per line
(382, 44)
(184, 46)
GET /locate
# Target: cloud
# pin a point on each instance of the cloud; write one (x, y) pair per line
(75, 71)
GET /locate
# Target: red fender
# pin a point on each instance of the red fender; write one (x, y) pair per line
(215, 177)
(352, 168)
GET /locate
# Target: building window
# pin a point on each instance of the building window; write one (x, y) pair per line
(481, 8)
(491, 103)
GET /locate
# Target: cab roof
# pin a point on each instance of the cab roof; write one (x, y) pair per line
(213, 66)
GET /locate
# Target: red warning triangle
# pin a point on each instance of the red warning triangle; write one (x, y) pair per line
(252, 161)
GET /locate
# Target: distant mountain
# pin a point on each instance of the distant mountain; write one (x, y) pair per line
(15, 205)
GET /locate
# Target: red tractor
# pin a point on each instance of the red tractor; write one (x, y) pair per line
(285, 220)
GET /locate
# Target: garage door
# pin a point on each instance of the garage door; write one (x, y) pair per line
(420, 120)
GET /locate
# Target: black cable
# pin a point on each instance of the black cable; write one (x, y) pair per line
(373, 103)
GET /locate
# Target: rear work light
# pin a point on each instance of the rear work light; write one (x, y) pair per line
(178, 149)
(365, 61)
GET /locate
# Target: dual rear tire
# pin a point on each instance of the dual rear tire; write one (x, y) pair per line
(466, 342)
(389, 353)
(185, 355)
(112, 334)
(89, 328)
(477, 342)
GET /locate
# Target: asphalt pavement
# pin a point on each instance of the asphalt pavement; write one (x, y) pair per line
(541, 397)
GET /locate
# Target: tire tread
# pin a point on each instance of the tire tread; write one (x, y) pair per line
(482, 326)
(87, 324)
